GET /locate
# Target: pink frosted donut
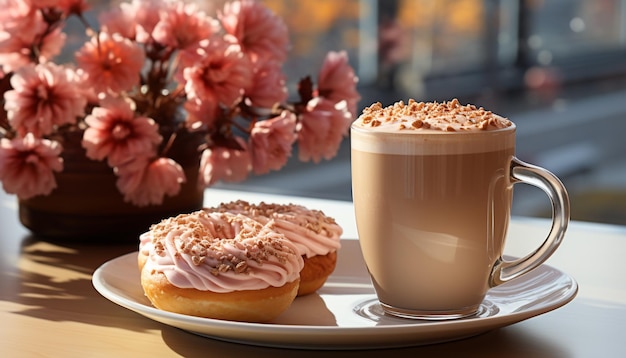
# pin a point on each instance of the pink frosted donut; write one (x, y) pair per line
(316, 236)
(219, 265)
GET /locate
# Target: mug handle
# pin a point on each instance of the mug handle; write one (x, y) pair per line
(521, 172)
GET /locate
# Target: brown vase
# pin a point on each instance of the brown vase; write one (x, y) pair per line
(87, 206)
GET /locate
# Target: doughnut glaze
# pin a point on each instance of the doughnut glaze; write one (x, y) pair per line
(310, 230)
(316, 236)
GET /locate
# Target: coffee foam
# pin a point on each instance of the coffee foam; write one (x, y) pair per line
(448, 116)
(432, 143)
(431, 129)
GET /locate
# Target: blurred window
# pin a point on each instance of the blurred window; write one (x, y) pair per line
(407, 45)
(411, 46)
(562, 30)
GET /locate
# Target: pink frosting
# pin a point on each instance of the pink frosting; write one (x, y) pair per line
(311, 231)
(145, 243)
(220, 252)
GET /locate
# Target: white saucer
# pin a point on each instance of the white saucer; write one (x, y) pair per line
(344, 314)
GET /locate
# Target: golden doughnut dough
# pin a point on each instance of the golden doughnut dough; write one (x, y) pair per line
(246, 306)
(315, 272)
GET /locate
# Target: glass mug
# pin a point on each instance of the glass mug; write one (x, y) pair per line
(432, 210)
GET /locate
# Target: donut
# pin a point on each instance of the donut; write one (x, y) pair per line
(219, 265)
(315, 235)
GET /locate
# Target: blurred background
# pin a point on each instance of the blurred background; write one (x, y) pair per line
(557, 68)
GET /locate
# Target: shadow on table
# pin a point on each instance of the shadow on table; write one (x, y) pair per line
(492, 344)
(55, 284)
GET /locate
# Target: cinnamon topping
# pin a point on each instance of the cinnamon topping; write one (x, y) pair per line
(448, 116)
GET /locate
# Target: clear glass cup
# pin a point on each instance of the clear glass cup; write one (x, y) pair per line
(432, 211)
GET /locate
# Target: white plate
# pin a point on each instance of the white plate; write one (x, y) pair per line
(344, 314)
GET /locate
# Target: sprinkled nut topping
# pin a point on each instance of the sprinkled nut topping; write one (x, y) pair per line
(449, 116)
(314, 220)
(221, 241)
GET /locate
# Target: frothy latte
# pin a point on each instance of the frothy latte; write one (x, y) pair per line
(432, 194)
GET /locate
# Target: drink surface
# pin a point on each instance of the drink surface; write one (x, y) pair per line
(440, 128)
(449, 116)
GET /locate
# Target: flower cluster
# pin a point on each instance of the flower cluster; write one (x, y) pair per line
(150, 71)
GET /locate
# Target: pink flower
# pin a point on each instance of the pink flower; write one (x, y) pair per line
(227, 164)
(112, 63)
(13, 8)
(120, 20)
(216, 71)
(321, 129)
(218, 78)
(134, 20)
(146, 182)
(201, 114)
(17, 14)
(337, 81)
(261, 34)
(183, 25)
(115, 133)
(21, 29)
(271, 142)
(27, 165)
(44, 97)
(268, 86)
